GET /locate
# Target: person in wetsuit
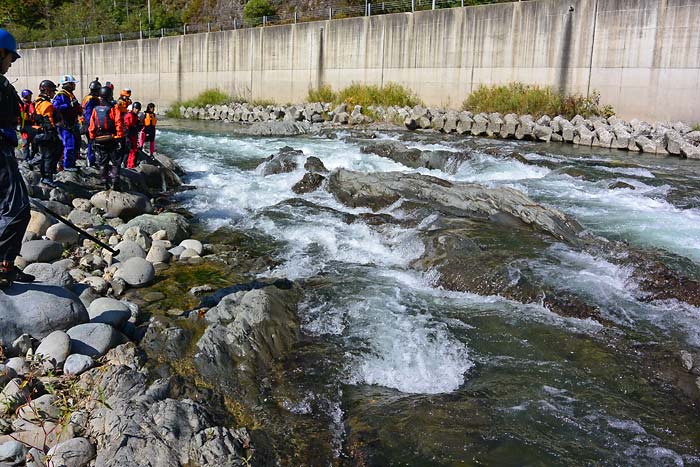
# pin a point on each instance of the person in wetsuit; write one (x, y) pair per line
(14, 197)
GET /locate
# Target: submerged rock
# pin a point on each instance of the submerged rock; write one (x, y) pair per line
(447, 161)
(466, 200)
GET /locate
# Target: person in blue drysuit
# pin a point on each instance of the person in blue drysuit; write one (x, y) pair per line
(91, 101)
(14, 197)
(72, 113)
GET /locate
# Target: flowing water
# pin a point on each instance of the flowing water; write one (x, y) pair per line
(406, 373)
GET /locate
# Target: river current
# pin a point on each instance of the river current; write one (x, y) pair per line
(419, 375)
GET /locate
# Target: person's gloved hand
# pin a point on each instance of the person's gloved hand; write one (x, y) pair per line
(74, 102)
(9, 135)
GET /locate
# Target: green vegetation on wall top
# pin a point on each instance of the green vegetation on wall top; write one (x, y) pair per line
(535, 100)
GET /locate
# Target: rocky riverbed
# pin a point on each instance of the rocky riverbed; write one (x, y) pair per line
(361, 297)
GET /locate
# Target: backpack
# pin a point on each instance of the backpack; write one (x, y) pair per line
(106, 128)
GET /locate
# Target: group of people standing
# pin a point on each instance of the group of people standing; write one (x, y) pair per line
(53, 125)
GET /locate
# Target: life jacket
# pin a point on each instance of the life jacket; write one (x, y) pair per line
(26, 114)
(43, 122)
(70, 115)
(149, 119)
(105, 122)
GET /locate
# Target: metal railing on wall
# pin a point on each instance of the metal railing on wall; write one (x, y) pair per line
(319, 14)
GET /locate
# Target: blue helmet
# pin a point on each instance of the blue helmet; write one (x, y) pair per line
(8, 42)
(26, 93)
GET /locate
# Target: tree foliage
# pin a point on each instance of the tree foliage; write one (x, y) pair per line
(255, 9)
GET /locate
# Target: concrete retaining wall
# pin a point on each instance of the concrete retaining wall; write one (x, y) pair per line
(642, 55)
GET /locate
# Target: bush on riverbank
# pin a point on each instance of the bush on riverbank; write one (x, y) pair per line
(391, 94)
(535, 100)
(207, 97)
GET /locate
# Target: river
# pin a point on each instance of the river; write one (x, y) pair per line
(417, 375)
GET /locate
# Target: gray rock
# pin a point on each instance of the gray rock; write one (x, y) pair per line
(134, 234)
(142, 423)
(77, 364)
(54, 349)
(137, 272)
(645, 144)
(673, 142)
(379, 190)
(451, 119)
(542, 133)
(22, 345)
(94, 339)
(308, 183)
(275, 128)
(50, 274)
(17, 366)
(175, 225)
(158, 254)
(97, 283)
(510, 124)
(62, 234)
(284, 161)
(39, 223)
(109, 311)
(76, 452)
(84, 219)
(314, 165)
(237, 348)
(525, 128)
(13, 453)
(42, 408)
(465, 123)
(583, 136)
(122, 204)
(12, 396)
(41, 251)
(38, 310)
(177, 251)
(479, 125)
(690, 151)
(82, 204)
(128, 249)
(494, 125)
(192, 244)
(189, 253)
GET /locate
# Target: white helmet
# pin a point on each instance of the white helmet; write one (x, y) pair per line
(65, 79)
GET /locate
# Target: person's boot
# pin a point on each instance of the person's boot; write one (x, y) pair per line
(48, 182)
(10, 273)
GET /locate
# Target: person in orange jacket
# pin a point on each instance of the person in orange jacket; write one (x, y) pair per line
(132, 127)
(46, 120)
(148, 133)
(106, 131)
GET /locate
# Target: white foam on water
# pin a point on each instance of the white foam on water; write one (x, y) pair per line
(614, 290)
(633, 171)
(641, 216)
(482, 168)
(408, 352)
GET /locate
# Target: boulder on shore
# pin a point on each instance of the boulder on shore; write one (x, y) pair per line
(38, 310)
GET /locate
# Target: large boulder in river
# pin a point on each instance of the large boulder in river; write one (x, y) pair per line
(38, 310)
(468, 200)
(175, 225)
(284, 161)
(120, 204)
(248, 331)
(137, 272)
(447, 161)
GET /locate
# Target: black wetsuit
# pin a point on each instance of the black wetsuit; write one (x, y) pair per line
(14, 197)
